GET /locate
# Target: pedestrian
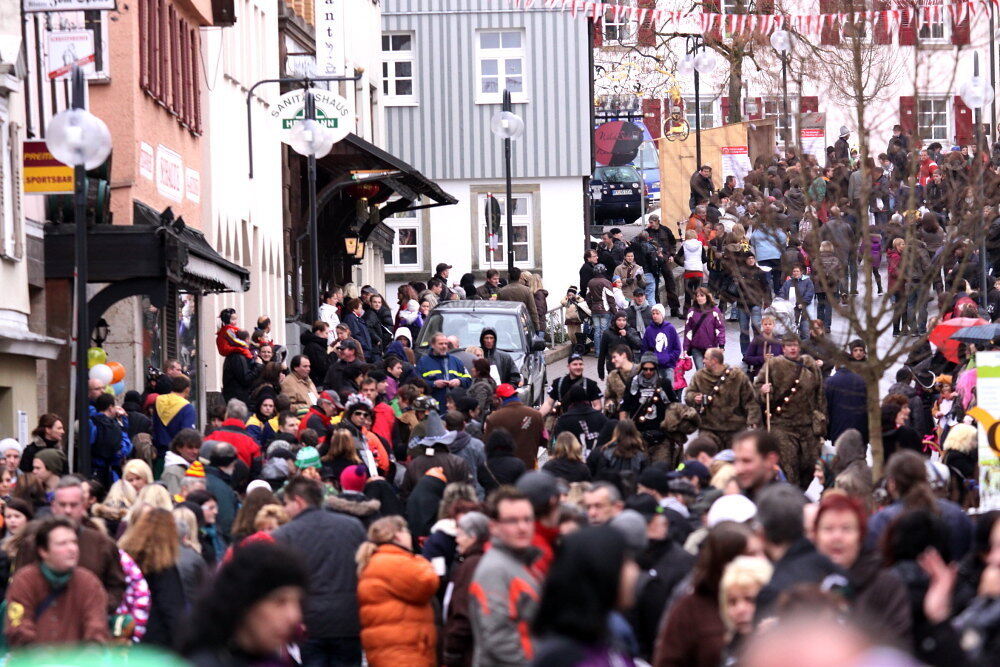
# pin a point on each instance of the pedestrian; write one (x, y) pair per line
(724, 398)
(395, 587)
(501, 467)
(753, 295)
(442, 370)
(741, 581)
(48, 434)
(704, 327)
(517, 289)
(600, 300)
(297, 386)
(581, 419)
(661, 339)
(471, 537)
(618, 333)
(694, 257)
(567, 460)
(624, 454)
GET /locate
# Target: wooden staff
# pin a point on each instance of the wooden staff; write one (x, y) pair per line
(767, 380)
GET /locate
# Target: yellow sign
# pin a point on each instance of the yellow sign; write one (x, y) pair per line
(43, 174)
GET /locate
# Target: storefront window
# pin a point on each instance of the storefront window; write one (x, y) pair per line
(187, 339)
(180, 321)
(152, 339)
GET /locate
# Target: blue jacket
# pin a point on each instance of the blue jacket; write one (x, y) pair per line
(804, 290)
(126, 443)
(846, 404)
(662, 340)
(768, 243)
(361, 333)
(432, 367)
(171, 413)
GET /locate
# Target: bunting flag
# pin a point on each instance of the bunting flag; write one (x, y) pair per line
(760, 24)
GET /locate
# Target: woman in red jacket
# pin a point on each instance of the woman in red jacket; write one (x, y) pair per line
(395, 587)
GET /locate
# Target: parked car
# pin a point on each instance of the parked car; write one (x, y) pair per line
(617, 194)
(516, 336)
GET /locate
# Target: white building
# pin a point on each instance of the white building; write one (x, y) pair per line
(445, 74)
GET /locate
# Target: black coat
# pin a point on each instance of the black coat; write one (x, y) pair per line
(166, 611)
(500, 471)
(612, 339)
(571, 471)
(846, 401)
(422, 505)
(801, 564)
(238, 374)
(583, 421)
(314, 347)
(664, 564)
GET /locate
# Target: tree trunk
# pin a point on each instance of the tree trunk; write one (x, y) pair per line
(874, 424)
(735, 91)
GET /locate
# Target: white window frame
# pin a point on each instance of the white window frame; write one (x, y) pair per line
(945, 23)
(778, 114)
(397, 222)
(707, 111)
(620, 30)
(500, 55)
(948, 118)
(389, 77)
(525, 219)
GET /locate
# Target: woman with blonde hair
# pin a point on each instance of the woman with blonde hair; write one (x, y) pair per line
(741, 581)
(190, 564)
(395, 587)
(154, 545)
(152, 496)
(540, 294)
(567, 459)
(136, 475)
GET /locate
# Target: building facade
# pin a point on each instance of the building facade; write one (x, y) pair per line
(439, 105)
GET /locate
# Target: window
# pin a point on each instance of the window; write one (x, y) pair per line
(707, 113)
(734, 6)
(619, 27)
(169, 62)
(500, 66)
(405, 251)
(495, 250)
(773, 108)
(933, 24)
(932, 119)
(397, 68)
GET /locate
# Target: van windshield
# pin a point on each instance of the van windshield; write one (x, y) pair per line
(468, 326)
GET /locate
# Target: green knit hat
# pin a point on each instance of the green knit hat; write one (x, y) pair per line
(308, 457)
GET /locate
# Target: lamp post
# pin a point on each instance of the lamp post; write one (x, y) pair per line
(781, 40)
(311, 139)
(79, 139)
(508, 125)
(976, 94)
(697, 61)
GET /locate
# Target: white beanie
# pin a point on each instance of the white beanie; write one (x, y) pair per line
(258, 484)
(10, 443)
(735, 507)
(660, 309)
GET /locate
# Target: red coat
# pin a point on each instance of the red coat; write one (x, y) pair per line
(235, 433)
(385, 419)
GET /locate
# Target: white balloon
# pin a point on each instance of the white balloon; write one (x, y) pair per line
(102, 372)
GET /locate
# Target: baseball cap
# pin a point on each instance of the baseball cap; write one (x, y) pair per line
(735, 507)
(442, 267)
(505, 390)
(576, 356)
(692, 468)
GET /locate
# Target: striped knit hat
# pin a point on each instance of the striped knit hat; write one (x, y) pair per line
(196, 469)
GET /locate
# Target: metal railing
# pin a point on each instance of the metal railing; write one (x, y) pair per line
(555, 326)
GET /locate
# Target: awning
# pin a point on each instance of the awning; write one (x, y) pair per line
(156, 247)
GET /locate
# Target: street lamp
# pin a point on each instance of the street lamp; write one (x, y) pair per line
(781, 40)
(101, 332)
(508, 125)
(312, 139)
(977, 93)
(697, 61)
(81, 140)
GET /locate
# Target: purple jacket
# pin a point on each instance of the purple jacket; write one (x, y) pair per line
(703, 330)
(662, 340)
(875, 243)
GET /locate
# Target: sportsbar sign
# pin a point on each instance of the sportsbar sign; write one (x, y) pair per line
(35, 6)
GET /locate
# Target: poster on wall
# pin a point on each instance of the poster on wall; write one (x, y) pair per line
(987, 414)
(66, 48)
(735, 162)
(812, 135)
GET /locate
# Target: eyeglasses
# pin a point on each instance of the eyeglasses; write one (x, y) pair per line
(647, 369)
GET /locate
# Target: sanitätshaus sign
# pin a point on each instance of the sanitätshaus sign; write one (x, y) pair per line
(332, 111)
(68, 5)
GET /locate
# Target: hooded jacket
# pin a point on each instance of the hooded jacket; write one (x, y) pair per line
(661, 339)
(804, 290)
(473, 451)
(846, 400)
(314, 347)
(611, 339)
(171, 413)
(358, 505)
(849, 467)
(704, 329)
(501, 360)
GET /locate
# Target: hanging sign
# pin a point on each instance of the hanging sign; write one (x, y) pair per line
(986, 413)
(66, 48)
(31, 6)
(332, 111)
(328, 16)
(735, 162)
(43, 174)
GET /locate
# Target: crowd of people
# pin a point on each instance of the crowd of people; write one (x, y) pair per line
(368, 500)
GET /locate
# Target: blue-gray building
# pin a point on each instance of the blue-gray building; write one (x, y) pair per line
(445, 66)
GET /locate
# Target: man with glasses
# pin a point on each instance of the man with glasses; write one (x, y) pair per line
(504, 593)
(724, 397)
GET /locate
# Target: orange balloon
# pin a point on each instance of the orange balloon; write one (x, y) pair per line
(117, 371)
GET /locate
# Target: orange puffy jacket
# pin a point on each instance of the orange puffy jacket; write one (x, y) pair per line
(397, 620)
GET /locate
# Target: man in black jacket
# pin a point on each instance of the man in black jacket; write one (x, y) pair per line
(498, 358)
(580, 419)
(587, 270)
(314, 344)
(327, 542)
(238, 374)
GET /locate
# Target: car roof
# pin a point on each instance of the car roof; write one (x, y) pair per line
(481, 306)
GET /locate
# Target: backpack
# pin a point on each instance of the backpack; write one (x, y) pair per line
(107, 439)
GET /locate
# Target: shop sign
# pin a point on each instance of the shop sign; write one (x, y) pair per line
(31, 6)
(67, 48)
(332, 111)
(146, 160)
(169, 174)
(43, 174)
(329, 21)
(192, 185)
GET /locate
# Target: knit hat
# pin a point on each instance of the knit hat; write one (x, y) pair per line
(437, 472)
(844, 131)
(655, 479)
(353, 478)
(632, 527)
(647, 358)
(196, 469)
(10, 443)
(308, 457)
(734, 507)
(53, 459)
(658, 308)
(540, 487)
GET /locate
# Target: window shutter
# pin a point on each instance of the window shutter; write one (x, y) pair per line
(162, 30)
(652, 116)
(598, 33)
(907, 26)
(175, 63)
(647, 31)
(144, 44)
(963, 122)
(882, 35)
(713, 7)
(829, 35)
(17, 192)
(185, 64)
(960, 31)
(196, 79)
(908, 114)
(724, 105)
(808, 104)
(154, 46)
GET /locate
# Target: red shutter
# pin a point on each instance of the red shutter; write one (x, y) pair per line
(829, 34)
(143, 44)
(598, 33)
(652, 117)
(724, 106)
(882, 35)
(907, 26)
(196, 79)
(154, 47)
(175, 62)
(185, 75)
(759, 102)
(963, 123)
(163, 32)
(960, 31)
(713, 7)
(808, 104)
(647, 31)
(908, 114)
